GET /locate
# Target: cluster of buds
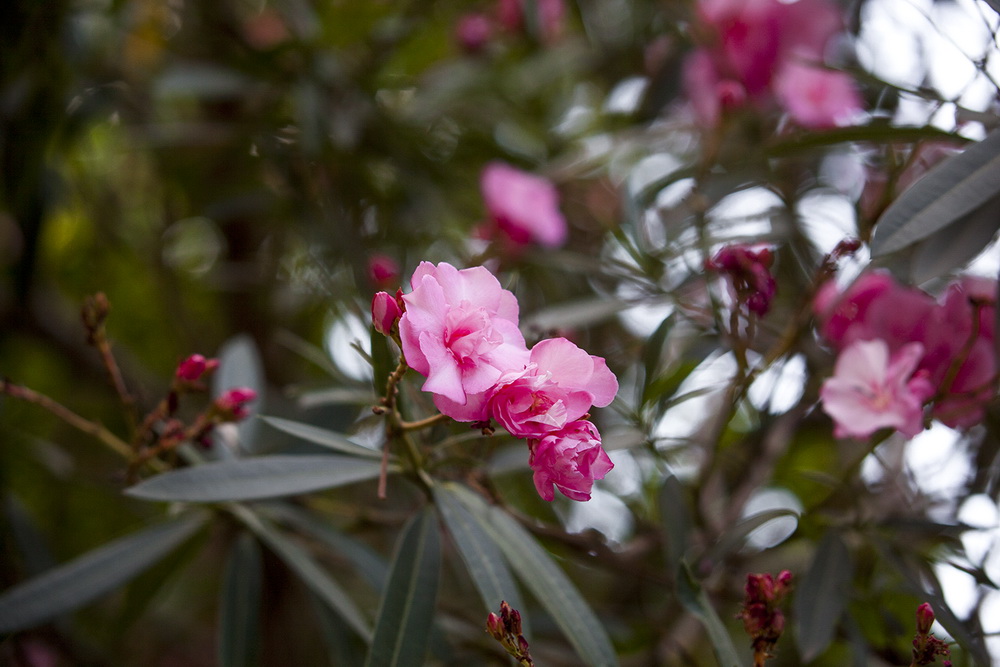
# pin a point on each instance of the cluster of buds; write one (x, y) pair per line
(506, 629)
(749, 273)
(927, 647)
(762, 618)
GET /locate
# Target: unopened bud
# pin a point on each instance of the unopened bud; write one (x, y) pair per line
(232, 405)
(195, 367)
(385, 313)
(494, 626)
(925, 618)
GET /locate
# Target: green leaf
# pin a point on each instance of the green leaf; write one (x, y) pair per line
(321, 436)
(255, 478)
(951, 191)
(675, 517)
(301, 563)
(239, 606)
(583, 312)
(91, 575)
(406, 612)
(481, 555)
(695, 600)
(877, 132)
(821, 596)
(549, 584)
(734, 538)
(952, 247)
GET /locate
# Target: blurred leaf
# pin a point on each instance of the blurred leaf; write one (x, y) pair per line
(821, 595)
(675, 518)
(383, 361)
(239, 604)
(91, 575)
(342, 644)
(482, 558)
(549, 584)
(301, 563)
(954, 189)
(35, 553)
(994, 4)
(574, 315)
(406, 613)
(240, 366)
(201, 80)
(321, 436)
(695, 600)
(877, 132)
(953, 246)
(254, 479)
(735, 537)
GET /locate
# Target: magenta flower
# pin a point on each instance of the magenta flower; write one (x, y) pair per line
(233, 404)
(523, 208)
(383, 271)
(385, 312)
(194, 367)
(570, 459)
(871, 390)
(559, 385)
(749, 273)
(473, 32)
(459, 330)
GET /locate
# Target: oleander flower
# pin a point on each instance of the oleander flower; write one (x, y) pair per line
(523, 208)
(816, 98)
(559, 385)
(871, 389)
(459, 330)
(570, 460)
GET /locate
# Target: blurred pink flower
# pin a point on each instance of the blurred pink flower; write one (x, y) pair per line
(473, 32)
(550, 17)
(571, 459)
(559, 385)
(232, 404)
(459, 330)
(871, 390)
(815, 97)
(385, 312)
(749, 273)
(383, 271)
(523, 208)
(195, 367)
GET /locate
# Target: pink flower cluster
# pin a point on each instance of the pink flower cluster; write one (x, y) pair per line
(756, 52)
(459, 329)
(900, 348)
(749, 273)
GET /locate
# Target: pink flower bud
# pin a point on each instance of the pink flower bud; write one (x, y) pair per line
(194, 367)
(232, 405)
(385, 313)
(473, 32)
(383, 270)
(494, 626)
(925, 618)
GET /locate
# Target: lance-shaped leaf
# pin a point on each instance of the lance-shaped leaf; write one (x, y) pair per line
(479, 552)
(322, 437)
(695, 600)
(675, 517)
(821, 596)
(956, 244)
(549, 584)
(255, 479)
(305, 566)
(91, 575)
(239, 605)
(406, 612)
(954, 189)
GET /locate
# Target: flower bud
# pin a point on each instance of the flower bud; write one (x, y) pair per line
(925, 618)
(385, 313)
(232, 405)
(494, 626)
(194, 367)
(473, 32)
(383, 270)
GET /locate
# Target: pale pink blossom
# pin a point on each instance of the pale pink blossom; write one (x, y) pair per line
(459, 330)
(385, 312)
(871, 390)
(815, 97)
(523, 208)
(559, 385)
(570, 459)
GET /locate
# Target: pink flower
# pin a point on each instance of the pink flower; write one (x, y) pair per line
(550, 17)
(559, 385)
(749, 273)
(385, 313)
(871, 390)
(194, 367)
(816, 97)
(459, 330)
(232, 405)
(473, 32)
(523, 208)
(383, 271)
(571, 459)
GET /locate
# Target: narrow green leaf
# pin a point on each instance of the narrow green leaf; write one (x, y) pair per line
(877, 132)
(322, 437)
(343, 645)
(955, 245)
(91, 575)
(239, 605)
(734, 538)
(406, 612)
(549, 584)
(574, 314)
(480, 554)
(949, 192)
(299, 561)
(695, 600)
(821, 596)
(255, 478)
(675, 517)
